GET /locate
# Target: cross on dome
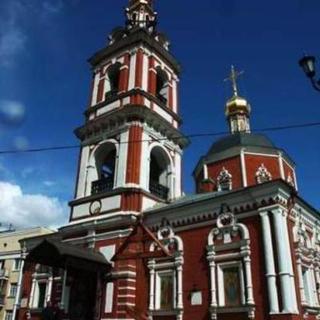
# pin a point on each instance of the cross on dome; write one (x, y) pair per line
(233, 77)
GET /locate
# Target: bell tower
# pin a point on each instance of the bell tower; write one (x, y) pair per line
(131, 146)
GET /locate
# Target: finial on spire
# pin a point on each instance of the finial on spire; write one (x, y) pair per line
(233, 77)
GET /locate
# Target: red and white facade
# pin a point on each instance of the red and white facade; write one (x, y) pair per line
(244, 246)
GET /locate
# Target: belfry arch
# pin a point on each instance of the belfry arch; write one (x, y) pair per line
(160, 172)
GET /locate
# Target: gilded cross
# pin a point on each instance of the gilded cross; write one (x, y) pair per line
(233, 77)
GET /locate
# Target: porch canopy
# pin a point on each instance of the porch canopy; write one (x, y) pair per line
(54, 253)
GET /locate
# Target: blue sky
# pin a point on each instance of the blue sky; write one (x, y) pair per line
(44, 78)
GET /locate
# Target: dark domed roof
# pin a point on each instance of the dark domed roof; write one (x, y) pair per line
(241, 140)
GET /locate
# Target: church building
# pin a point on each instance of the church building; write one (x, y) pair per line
(245, 245)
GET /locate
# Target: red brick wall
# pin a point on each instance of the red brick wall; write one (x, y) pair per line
(253, 162)
(233, 165)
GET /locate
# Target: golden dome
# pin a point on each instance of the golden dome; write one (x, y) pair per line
(237, 105)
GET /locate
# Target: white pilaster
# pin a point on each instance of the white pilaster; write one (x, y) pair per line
(284, 260)
(177, 166)
(132, 73)
(243, 168)
(84, 156)
(301, 284)
(280, 160)
(145, 72)
(269, 263)
(145, 161)
(122, 159)
(205, 171)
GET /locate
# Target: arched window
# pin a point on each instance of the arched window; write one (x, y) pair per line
(113, 78)
(162, 85)
(105, 163)
(224, 180)
(159, 173)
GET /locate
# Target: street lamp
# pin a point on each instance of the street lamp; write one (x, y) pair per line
(307, 63)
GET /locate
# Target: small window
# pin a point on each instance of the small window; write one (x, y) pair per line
(13, 290)
(231, 284)
(165, 291)
(17, 265)
(42, 287)
(8, 315)
(232, 287)
(2, 264)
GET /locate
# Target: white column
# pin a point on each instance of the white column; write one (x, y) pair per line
(63, 294)
(33, 288)
(247, 265)
(151, 266)
(179, 276)
(269, 263)
(213, 289)
(283, 262)
(294, 305)
(49, 289)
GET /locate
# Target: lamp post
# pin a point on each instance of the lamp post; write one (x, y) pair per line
(307, 63)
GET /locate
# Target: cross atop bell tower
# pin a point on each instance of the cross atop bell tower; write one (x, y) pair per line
(140, 13)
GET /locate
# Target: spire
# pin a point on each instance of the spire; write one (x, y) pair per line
(237, 108)
(140, 13)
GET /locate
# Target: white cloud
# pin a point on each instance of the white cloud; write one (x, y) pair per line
(49, 183)
(11, 111)
(11, 42)
(52, 6)
(27, 210)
